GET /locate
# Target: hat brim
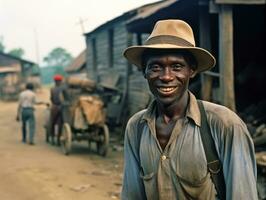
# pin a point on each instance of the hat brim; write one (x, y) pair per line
(205, 60)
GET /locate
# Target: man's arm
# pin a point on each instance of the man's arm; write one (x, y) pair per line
(239, 164)
(19, 109)
(38, 102)
(133, 187)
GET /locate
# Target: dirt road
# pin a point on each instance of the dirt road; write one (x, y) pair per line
(42, 172)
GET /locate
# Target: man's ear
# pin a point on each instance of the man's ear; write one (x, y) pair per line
(144, 73)
(193, 72)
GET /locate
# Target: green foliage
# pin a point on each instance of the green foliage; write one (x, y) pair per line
(58, 57)
(2, 46)
(17, 52)
(35, 70)
(47, 73)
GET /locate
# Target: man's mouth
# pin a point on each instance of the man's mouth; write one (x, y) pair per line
(166, 90)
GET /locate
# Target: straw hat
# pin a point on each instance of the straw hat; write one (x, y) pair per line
(171, 34)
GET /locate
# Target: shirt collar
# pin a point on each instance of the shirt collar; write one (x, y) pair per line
(192, 111)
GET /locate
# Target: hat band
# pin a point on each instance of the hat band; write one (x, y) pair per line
(168, 39)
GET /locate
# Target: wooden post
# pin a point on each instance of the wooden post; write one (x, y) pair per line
(129, 43)
(139, 39)
(205, 42)
(111, 48)
(226, 59)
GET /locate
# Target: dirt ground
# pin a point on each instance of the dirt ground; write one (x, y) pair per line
(42, 172)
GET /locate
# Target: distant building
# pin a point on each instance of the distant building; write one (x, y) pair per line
(15, 72)
(78, 66)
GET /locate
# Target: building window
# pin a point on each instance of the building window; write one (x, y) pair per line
(94, 54)
(111, 48)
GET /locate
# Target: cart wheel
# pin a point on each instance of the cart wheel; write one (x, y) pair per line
(47, 133)
(66, 139)
(102, 145)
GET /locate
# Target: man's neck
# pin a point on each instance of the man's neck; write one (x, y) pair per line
(174, 111)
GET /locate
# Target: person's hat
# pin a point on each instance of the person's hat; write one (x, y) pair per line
(171, 34)
(58, 77)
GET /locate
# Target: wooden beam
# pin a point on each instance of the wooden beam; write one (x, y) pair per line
(213, 74)
(205, 42)
(139, 39)
(226, 57)
(244, 2)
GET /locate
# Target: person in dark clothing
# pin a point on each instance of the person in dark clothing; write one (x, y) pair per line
(56, 109)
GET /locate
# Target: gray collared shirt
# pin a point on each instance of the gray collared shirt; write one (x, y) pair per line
(180, 170)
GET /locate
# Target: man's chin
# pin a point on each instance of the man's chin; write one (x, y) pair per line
(166, 101)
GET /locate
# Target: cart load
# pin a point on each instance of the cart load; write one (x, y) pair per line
(76, 82)
(84, 116)
(89, 111)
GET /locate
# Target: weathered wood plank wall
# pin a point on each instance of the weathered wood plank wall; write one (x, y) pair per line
(137, 88)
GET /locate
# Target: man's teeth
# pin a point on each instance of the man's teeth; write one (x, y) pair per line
(169, 89)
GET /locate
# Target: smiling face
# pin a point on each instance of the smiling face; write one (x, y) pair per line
(168, 75)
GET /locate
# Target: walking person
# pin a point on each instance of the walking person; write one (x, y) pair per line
(25, 112)
(180, 147)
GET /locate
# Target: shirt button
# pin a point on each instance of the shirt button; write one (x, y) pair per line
(163, 157)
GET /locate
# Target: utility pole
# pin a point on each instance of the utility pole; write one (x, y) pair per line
(37, 46)
(81, 23)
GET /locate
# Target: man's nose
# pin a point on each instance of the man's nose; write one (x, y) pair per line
(166, 74)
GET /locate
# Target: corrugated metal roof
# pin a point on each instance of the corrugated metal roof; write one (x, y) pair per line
(144, 12)
(8, 69)
(144, 21)
(77, 63)
(16, 58)
(131, 13)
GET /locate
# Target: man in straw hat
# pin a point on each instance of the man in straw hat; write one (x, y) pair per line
(181, 148)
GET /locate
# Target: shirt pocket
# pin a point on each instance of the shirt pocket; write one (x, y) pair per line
(194, 181)
(200, 188)
(149, 181)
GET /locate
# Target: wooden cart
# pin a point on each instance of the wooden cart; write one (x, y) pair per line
(86, 122)
(84, 116)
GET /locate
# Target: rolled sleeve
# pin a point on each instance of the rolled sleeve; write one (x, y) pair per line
(239, 164)
(133, 187)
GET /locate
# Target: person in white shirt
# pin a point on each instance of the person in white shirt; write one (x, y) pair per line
(25, 112)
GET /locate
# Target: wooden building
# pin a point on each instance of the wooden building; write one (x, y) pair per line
(233, 30)
(14, 72)
(106, 64)
(78, 66)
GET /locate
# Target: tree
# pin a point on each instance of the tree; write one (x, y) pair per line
(17, 52)
(2, 46)
(58, 57)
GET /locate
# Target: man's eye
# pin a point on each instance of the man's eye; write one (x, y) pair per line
(154, 67)
(177, 66)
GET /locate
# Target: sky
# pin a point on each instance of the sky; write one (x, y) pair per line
(39, 26)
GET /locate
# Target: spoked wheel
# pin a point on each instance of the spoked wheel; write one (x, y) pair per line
(103, 143)
(66, 139)
(47, 133)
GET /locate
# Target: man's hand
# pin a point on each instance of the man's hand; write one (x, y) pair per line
(17, 118)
